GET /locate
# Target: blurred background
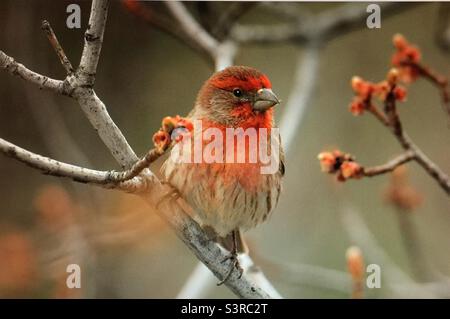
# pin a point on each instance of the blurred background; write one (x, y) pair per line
(126, 251)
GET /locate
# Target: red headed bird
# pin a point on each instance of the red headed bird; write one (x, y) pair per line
(231, 196)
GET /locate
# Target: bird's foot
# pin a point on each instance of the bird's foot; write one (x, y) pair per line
(234, 264)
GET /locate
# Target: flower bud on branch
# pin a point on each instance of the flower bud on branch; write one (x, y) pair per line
(343, 165)
(406, 59)
(172, 130)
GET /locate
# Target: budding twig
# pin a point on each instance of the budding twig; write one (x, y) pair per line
(389, 166)
(57, 47)
(407, 59)
(408, 145)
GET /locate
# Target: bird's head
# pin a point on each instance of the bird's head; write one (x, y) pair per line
(237, 96)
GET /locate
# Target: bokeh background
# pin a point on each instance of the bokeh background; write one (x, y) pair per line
(125, 250)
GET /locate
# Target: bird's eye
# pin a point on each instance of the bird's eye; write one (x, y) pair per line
(237, 92)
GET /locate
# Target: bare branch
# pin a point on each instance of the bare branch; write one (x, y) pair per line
(262, 34)
(158, 19)
(11, 66)
(97, 114)
(288, 11)
(350, 16)
(408, 145)
(325, 26)
(52, 167)
(93, 40)
(430, 167)
(192, 28)
(225, 22)
(56, 46)
(391, 165)
(137, 167)
(226, 52)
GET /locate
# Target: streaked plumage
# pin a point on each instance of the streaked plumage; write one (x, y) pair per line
(229, 196)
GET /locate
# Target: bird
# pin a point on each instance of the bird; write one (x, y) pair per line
(230, 197)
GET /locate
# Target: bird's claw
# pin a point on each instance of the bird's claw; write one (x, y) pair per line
(234, 264)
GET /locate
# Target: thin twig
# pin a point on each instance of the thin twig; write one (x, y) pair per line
(192, 28)
(391, 165)
(147, 13)
(377, 113)
(138, 167)
(326, 26)
(430, 167)
(408, 145)
(288, 11)
(391, 119)
(57, 47)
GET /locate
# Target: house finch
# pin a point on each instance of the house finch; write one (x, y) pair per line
(227, 196)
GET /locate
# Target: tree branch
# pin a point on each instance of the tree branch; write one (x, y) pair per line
(93, 40)
(52, 167)
(192, 28)
(391, 165)
(408, 145)
(96, 112)
(56, 46)
(287, 11)
(324, 26)
(159, 20)
(430, 167)
(11, 66)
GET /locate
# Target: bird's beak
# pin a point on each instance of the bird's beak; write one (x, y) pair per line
(264, 99)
